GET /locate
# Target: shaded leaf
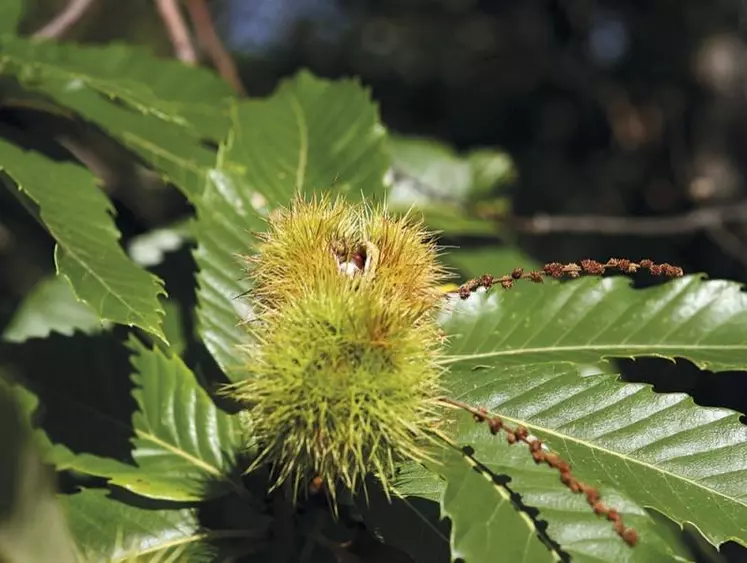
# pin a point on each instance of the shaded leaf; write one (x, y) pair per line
(51, 306)
(11, 12)
(184, 446)
(32, 526)
(192, 97)
(666, 452)
(80, 409)
(427, 171)
(491, 170)
(310, 135)
(450, 220)
(106, 529)
(449, 189)
(485, 523)
(590, 319)
(77, 215)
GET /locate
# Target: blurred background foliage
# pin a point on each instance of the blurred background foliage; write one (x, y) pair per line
(634, 110)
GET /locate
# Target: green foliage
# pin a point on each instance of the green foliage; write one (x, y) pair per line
(664, 443)
(11, 12)
(486, 525)
(590, 320)
(167, 482)
(32, 526)
(51, 307)
(77, 215)
(452, 191)
(184, 447)
(106, 529)
(193, 98)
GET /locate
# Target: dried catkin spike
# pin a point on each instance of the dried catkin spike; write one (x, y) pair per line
(343, 379)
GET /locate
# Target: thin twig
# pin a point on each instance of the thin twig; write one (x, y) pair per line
(177, 30)
(698, 220)
(64, 20)
(202, 21)
(543, 224)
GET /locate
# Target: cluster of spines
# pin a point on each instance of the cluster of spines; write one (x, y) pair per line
(344, 373)
(570, 270)
(292, 278)
(540, 454)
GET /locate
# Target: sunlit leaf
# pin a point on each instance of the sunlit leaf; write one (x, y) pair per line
(78, 215)
(590, 319)
(485, 522)
(174, 151)
(192, 97)
(642, 449)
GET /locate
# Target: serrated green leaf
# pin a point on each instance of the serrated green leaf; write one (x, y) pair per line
(311, 135)
(223, 232)
(109, 530)
(11, 12)
(194, 98)
(176, 152)
(587, 320)
(49, 307)
(32, 526)
(443, 185)
(485, 522)
(77, 215)
(656, 450)
(184, 446)
(639, 448)
(183, 439)
(581, 534)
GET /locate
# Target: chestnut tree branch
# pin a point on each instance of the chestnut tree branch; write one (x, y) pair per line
(202, 21)
(63, 21)
(177, 30)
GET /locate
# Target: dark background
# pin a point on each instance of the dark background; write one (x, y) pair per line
(632, 108)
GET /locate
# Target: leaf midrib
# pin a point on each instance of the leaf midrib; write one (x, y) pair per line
(193, 538)
(197, 462)
(590, 445)
(651, 349)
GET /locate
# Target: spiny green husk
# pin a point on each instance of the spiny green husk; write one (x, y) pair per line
(343, 378)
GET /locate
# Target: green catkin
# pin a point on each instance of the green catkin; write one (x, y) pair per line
(343, 378)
